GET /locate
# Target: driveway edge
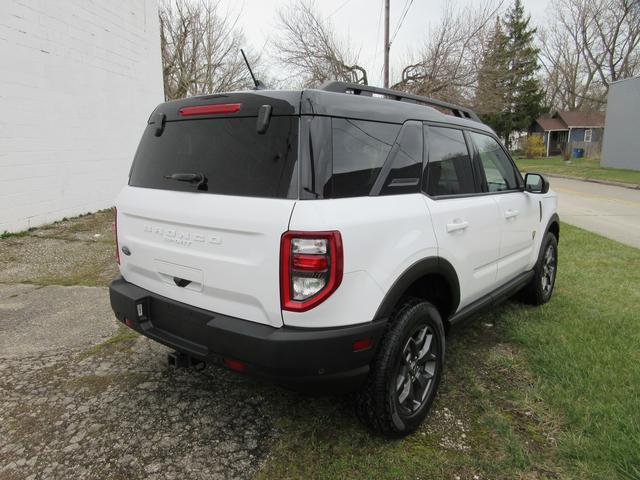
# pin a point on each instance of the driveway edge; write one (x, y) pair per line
(612, 183)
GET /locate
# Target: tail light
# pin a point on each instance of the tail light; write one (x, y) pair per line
(310, 268)
(235, 364)
(114, 229)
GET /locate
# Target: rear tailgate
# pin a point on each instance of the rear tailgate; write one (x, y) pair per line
(208, 200)
(226, 247)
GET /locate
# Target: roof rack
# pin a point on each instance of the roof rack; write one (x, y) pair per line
(365, 90)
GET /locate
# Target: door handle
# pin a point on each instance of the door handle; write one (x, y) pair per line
(457, 225)
(511, 214)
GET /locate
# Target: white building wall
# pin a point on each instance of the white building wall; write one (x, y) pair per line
(78, 80)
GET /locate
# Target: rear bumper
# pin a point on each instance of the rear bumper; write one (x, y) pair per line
(301, 358)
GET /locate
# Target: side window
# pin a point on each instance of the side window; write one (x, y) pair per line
(315, 156)
(403, 169)
(449, 170)
(498, 169)
(360, 148)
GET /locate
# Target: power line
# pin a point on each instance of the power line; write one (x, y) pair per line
(403, 15)
(338, 9)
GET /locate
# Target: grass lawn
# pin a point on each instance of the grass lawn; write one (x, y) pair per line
(579, 167)
(549, 392)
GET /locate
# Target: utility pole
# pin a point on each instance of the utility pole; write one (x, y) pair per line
(386, 44)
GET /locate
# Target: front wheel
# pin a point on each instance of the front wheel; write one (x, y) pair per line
(406, 371)
(540, 288)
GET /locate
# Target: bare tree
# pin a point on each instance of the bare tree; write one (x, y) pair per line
(447, 66)
(611, 34)
(586, 45)
(200, 46)
(568, 79)
(311, 50)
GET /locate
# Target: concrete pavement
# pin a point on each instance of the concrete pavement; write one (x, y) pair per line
(45, 319)
(611, 211)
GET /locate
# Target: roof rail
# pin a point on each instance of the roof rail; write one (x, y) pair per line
(365, 90)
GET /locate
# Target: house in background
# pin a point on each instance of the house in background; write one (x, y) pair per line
(621, 148)
(79, 80)
(573, 130)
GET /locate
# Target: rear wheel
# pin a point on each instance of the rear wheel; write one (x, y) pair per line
(406, 372)
(540, 288)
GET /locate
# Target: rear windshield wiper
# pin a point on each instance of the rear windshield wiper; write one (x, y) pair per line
(197, 179)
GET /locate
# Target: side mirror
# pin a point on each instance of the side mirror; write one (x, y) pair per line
(535, 183)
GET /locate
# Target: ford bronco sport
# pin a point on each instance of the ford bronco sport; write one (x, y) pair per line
(327, 237)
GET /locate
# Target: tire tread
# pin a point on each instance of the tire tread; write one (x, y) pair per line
(372, 407)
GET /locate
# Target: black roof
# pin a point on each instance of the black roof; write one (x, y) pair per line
(337, 99)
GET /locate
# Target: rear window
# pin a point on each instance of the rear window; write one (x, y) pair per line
(227, 151)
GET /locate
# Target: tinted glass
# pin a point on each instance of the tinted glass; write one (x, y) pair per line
(498, 169)
(402, 175)
(359, 150)
(228, 152)
(449, 170)
(315, 158)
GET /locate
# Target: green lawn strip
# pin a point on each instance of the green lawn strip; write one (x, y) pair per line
(584, 347)
(23, 233)
(579, 168)
(548, 392)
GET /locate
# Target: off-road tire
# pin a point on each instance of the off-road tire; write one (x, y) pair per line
(378, 403)
(540, 288)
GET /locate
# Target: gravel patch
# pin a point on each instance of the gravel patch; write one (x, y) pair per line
(452, 430)
(122, 413)
(48, 261)
(94, 227)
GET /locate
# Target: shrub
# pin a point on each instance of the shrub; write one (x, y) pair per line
(534, 146)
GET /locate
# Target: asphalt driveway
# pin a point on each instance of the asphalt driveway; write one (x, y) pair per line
(611, 211)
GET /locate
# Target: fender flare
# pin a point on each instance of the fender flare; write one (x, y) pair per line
(553, 219)
(425, 266)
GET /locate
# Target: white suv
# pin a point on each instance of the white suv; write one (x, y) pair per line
(327, 238)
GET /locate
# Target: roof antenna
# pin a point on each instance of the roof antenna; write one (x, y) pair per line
(258, 84)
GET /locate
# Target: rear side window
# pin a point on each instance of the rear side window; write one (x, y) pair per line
(233, 157)
(360, 149)
(449, 170)
(315, 157)
(498, 170)
(403, 169)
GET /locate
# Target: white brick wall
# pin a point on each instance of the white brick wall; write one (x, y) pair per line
(78, 80)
